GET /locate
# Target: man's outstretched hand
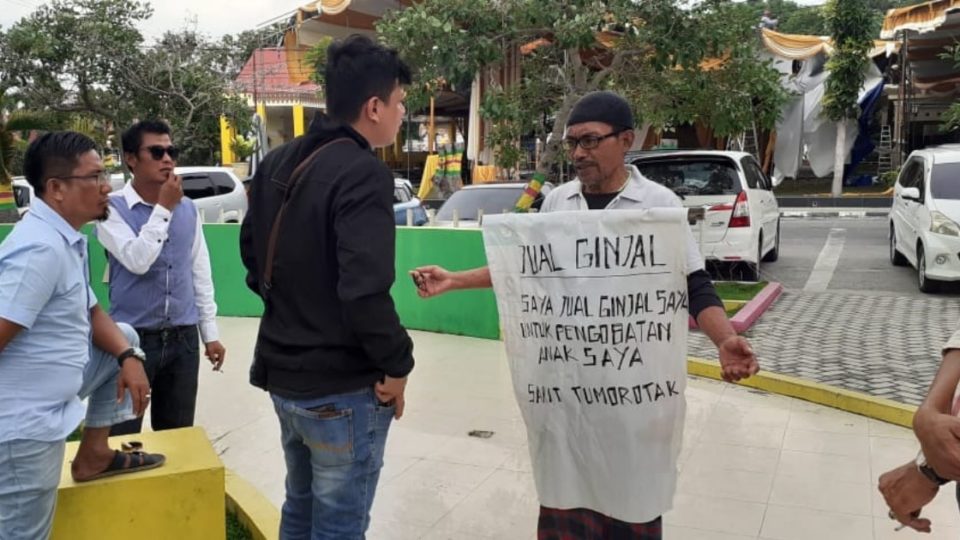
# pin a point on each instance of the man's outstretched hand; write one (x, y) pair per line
(432, 280)
(737, 360)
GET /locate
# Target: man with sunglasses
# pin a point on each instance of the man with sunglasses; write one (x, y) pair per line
(160, 276)
(599, 134)
(57, 346)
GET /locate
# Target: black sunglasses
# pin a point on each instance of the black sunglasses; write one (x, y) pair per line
(157, 151)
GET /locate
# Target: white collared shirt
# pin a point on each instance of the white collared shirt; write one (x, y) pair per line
(138, 253)
(639, 193)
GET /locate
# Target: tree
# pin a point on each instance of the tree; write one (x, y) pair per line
(69, 56)
(237, 48)
(951, 118)
(811, 20)
(574, 47)
(851, 28)
(86, 63)
(184, 80)
(807, 21)
(12, 123)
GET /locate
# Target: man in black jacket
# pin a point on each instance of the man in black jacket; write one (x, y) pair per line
(318, 245)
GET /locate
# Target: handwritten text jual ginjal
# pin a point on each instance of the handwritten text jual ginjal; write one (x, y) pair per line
(660, 302)
(633, 251)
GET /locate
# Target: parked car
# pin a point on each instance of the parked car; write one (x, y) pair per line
(117, 181)
(741, 223)
(404, 200)
(924, 217)
(216, 191)
(22, 194)
(490, 198)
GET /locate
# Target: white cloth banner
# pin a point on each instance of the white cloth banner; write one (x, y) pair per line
(593, 307)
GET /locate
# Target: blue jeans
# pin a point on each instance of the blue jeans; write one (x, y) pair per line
(30, 470)
(333, 447)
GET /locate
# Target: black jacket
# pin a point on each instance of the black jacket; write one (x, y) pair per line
(329, 324)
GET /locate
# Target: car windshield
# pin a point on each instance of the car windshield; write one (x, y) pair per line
(493, 200)
(693, 175)
(945, 181)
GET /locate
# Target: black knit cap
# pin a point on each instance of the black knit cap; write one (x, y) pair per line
(605, 106)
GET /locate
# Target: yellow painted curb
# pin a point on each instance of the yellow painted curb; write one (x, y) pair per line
(733, 304)
(252, 509)
(846, 400)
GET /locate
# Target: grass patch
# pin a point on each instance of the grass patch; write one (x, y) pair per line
(731, 290)
(235, 529)
(76, 435)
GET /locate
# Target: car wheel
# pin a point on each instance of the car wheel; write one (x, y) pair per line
(926, 284)
(774, 253)
(896, 258)
(751, 272)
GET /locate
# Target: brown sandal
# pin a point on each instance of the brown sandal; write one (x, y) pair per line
(128, 462)
(132, 446)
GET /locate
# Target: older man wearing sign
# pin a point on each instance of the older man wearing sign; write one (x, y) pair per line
(594, 309)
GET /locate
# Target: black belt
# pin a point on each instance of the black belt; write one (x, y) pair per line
(166, 331)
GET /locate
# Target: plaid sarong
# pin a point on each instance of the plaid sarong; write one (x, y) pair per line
(584, 524)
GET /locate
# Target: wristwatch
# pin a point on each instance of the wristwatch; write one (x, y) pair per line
(928, 471)
(132, 352)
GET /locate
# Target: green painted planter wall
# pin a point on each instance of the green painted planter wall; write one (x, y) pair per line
(468, 313)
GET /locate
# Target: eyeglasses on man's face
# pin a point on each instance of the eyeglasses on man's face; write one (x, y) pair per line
(587, 142)
(101, 178)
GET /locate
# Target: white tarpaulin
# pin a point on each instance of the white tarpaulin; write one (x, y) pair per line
(593, 307)
(801, 121)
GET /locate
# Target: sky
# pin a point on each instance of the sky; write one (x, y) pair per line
(211, 17)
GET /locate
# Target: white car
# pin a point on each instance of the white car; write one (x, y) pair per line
(216, 191)
(22, 194)
(741, 223)
(404, 200)
(467, 205)
(924, 230)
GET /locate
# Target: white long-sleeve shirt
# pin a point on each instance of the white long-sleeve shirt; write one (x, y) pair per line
(138, 252)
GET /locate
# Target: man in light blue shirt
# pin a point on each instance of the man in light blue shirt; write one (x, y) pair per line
(57, 346)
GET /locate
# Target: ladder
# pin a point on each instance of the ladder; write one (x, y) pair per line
(746, 141)
(885, 151)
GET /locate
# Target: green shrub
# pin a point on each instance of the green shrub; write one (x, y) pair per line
(889, 178)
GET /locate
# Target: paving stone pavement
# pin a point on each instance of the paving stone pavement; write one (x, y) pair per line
(884, 345)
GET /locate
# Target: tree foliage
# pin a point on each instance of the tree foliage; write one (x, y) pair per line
(70, 56)
(86, 63)
(16, 122)
(184, 80)
(649, 51)
(951, 118)
(811, 20)
(851, 30)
